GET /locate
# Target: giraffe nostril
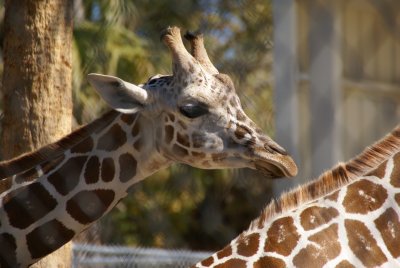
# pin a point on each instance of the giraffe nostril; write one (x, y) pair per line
(273, 148)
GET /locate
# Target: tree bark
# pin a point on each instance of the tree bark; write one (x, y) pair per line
(37, 93)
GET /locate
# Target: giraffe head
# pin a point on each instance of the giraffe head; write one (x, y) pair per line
(196, 116)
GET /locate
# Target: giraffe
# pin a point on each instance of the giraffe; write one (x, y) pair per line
(192, 116)
(348, 217)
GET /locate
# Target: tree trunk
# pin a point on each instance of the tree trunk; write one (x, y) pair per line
(37, 82)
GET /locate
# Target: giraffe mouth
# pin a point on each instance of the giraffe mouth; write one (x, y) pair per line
(283, 166)
(270, 170)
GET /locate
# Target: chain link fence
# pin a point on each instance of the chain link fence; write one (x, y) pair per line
(94, 256)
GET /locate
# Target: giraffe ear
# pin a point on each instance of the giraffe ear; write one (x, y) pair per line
(120, 95)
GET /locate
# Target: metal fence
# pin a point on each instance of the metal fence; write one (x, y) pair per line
(89, 256)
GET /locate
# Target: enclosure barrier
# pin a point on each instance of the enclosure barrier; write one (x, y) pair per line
(89, 256)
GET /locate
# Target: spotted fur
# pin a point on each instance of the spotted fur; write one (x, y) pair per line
(348, 217)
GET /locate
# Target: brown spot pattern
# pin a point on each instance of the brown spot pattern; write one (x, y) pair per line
(84, 146)
(197, 139)
(248, 245)
(397, 198)
(171, 117)
(345, 264)
(236, 263)
(179, 151)
(128, 118)
(388, 225)
(208, 261)
(329, 248)
(28, 204)
(364, 196)
(225, 252)
(114, 138)
(53, 151)
(309, 257)
(107, 169)
(88, 206)
(66, 177)
(127, 167)
(169, 134)
(138, 145)
(333, 197)
(240, 116)
(379, 171)
(269, 262)
(282, 236)
(313, 217)
(92, 170)
(47, 238)
(328, 239)
(183, 139)
(395, 176)
(363, 244)
(8, 247)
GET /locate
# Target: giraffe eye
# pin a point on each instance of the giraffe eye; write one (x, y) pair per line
(192, 110)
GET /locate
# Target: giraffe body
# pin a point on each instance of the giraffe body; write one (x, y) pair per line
(349, 217)
(193, 117)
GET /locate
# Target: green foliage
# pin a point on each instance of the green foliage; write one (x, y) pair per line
(181, 206)
(112, 50)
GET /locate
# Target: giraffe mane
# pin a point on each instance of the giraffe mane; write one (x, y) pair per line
(52, 151)
(334, 178)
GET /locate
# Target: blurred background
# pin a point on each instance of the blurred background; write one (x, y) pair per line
(337, 79)
(320, 77)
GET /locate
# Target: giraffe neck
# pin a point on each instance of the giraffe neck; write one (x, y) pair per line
(353, 223)
(73, 183)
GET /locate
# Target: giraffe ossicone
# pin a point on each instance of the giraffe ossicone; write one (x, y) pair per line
(348, 217)
(192, 116)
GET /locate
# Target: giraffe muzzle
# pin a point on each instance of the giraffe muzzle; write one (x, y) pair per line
(275, 165)
(271, 159)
